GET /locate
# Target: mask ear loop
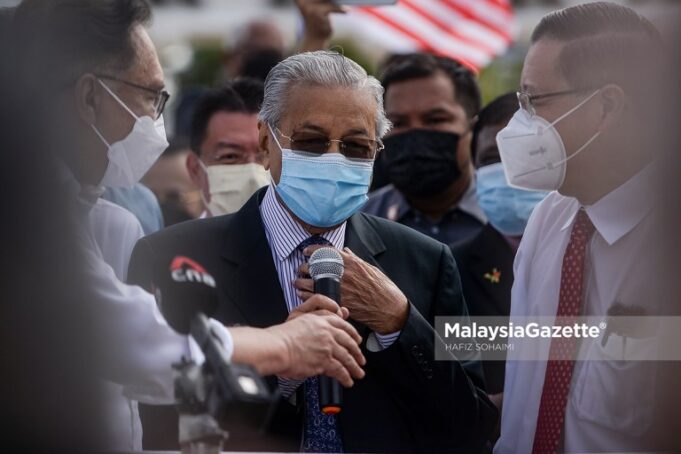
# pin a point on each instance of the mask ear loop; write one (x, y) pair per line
(552, 165)
(203, 166)
(588, 142)
(203, 196)
(579, 150)
(101, 137)
(94, 128)
(274, 136)
(571, 111)
(118, 99)
(541, 129)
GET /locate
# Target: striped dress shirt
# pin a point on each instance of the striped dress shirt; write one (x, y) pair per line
(284, 235)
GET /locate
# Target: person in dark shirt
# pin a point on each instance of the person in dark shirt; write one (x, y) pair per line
(432, 103)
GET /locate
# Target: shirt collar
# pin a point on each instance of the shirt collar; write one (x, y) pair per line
(83, 196)
(622, 209)
(90, 193)
(286, 233)
(468, 204)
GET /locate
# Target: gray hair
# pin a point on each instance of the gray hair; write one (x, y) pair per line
(325, 68)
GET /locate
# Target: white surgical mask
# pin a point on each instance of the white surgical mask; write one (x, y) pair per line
(231, 186)
(533, 153)
(132, 157)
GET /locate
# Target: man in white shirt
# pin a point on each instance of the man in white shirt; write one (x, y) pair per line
(584, 130)
(116, 230)
(109, 109)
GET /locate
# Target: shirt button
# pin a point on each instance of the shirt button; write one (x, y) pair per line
(435, 230)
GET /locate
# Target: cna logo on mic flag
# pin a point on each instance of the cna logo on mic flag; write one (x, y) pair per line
(184, 269)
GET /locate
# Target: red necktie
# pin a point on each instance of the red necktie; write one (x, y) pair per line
(551, 417)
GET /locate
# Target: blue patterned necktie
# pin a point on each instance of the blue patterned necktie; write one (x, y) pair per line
(321, 432)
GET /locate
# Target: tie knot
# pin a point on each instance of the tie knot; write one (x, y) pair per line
(583, 224)
(314, 240)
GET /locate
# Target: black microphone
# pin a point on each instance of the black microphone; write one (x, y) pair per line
(184, 291)
(326, 269)
(187, 296)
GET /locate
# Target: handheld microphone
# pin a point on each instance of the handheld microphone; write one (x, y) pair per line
(326, 269)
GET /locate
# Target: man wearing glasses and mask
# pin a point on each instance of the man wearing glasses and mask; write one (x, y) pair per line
(588, 130)
(321, 126)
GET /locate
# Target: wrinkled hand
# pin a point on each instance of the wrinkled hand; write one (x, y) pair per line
(319, 342)
(369, 295)
(318, 28)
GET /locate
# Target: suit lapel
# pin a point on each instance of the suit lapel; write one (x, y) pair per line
(252, 280)
(363, 240)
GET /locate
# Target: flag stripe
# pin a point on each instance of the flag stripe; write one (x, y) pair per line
(445, 28)
(436, 38)
(500, 12)
(424, 44)
(475, 30)
(470, 31)
(478, 15)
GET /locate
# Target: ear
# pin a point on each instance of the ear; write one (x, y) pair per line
(197, 174)
(463, 153)
(87, 98)
(614, 103)
(473, 122)
(194, 169)
(264, 143)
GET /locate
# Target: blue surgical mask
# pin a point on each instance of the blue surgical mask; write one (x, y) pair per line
(507, 209)
(322, 190)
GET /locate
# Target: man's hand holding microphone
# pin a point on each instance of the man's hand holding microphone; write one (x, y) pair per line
(315, 340)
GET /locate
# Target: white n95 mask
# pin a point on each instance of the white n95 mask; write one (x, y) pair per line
(533, 153)
(132, 157)
(231, 186)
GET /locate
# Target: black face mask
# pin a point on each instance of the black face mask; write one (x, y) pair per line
(422, 163)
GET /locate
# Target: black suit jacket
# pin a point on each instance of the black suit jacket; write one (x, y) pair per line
(478, 258)
(407, 402)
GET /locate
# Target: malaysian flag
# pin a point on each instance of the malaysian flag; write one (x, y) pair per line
(470, 31)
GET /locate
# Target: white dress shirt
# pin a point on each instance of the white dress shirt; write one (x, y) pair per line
(116, 231)
(139, 346)
(610, 403)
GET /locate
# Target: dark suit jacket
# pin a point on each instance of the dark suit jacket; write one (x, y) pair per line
(407, 402)
(477, 259)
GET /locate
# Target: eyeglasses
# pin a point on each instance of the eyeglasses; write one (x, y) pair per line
(351, 147)
(160, 100)
(525, 99)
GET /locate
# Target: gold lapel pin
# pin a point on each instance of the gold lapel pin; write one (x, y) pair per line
(494, 276)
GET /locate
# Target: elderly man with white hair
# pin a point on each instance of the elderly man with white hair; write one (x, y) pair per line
(321, 125)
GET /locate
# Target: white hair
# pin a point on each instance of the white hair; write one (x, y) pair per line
(325, 68)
